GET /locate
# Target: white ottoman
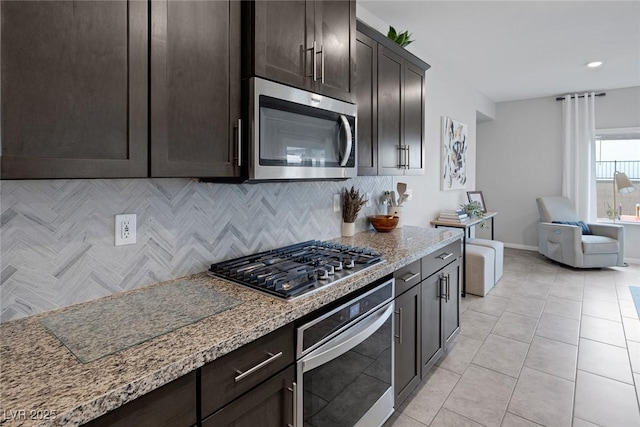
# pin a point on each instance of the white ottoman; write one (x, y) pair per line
(480, 269)
(498, 248)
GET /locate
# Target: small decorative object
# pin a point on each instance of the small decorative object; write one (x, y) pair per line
(403, 39)
(612, 213)
(352, 202)
(384, 223)
(474, 209)
(476, 196)
(454, 154)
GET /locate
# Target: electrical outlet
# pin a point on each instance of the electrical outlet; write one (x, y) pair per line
(125, 229)
(409, 193)
(368, 197)
(336, 203)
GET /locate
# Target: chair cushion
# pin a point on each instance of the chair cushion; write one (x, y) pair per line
(555, 208)
(599, 245)
(583, 225)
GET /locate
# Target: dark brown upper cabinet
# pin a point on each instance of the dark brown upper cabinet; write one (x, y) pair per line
(195, 88)
(81, 100)
(74, 89)
(306, 44)
(391, 99)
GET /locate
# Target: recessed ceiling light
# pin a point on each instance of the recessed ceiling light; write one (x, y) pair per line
(594, 64)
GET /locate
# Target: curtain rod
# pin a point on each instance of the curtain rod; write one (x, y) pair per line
(561, 98)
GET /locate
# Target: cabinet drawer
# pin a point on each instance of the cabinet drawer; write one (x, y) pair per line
(407, 277)
(440, 258)
(235, 373)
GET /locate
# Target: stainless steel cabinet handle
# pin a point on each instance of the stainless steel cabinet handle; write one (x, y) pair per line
(444, 255)
(294, 391)
(315, 64)
(400, 157)
(447, 281)
(399, 336)
(409, 276)
(259, 366)
(443, 288)
(239, 142)
(322, 62)
(408, 157)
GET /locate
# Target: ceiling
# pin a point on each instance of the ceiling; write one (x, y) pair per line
(510, 50)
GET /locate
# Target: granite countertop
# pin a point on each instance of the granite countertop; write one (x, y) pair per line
(43, 384)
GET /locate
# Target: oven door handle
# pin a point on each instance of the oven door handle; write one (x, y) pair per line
(347, 134)
(347, 340)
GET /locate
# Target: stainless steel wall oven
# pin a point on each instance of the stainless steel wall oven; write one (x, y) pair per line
(345, 363)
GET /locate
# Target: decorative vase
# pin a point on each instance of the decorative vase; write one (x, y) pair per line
(396, 211)
(348, 229)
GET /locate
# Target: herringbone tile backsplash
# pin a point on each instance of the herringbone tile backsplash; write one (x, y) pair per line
(57, 237)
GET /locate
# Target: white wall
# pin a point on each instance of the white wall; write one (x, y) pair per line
(520, 158)
(446, 95)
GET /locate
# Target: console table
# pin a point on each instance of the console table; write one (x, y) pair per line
(467, 225)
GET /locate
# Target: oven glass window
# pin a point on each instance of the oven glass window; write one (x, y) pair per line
(302, 136)
(340, 392)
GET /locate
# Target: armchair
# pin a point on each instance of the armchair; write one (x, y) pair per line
(568, 245)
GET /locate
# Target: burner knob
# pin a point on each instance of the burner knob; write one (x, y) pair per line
(348, 263)
(322, 274)
(330, 270)
(337, 265)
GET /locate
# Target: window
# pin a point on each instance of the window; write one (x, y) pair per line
(617, 150)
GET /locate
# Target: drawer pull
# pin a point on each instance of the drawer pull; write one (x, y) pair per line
(259, 366)
(409, 276)
(444, 255)
(399, 336)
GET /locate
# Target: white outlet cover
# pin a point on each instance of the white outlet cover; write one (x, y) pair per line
(336, 203)
(368, 197)
(122, 237)
(409, 194)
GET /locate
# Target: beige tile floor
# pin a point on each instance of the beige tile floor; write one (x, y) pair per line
(549, 345)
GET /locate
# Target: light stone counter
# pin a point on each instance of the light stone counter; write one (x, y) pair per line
(39, 376)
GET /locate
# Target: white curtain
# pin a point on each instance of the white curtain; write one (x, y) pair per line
(578, 172)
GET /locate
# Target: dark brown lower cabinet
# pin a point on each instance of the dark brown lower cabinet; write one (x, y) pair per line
(427, 315)
(407, 345)
(451, 306)
(431, 325)
(268, 405)
(172, 405)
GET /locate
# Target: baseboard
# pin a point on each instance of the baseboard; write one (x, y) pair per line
(523, 247)
(632, 260)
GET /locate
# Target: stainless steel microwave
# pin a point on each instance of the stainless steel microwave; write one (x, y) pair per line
(295, 134)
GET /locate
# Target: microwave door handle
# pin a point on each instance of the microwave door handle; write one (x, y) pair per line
(347, 131)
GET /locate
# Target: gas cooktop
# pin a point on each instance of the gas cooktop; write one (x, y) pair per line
(291, 271)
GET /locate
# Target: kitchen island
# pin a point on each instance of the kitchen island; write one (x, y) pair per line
(43, 383)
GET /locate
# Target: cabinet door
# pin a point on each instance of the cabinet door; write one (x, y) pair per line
(407, 345)
(335, 36)
(366, 84)
(74, 89)
(172, 405)
(414, 118)
(390, 111)
(282, 41)
(431, 326)
(268, 405)
(195, 92)
(451, 306)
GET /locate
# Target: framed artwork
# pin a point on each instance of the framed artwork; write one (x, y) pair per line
(476, 196)
(454, 154)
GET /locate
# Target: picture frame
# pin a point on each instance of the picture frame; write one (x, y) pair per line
(476, 196)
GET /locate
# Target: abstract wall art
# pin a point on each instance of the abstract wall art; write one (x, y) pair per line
(454, 154)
